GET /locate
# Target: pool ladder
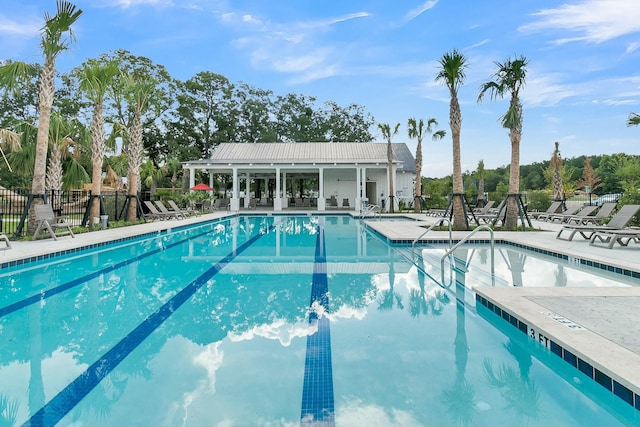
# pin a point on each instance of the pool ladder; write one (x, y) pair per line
(457, 245)
(371, 210)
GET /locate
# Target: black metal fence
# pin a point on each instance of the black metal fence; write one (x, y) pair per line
(71, 204)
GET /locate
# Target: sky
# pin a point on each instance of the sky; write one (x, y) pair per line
(583, 77)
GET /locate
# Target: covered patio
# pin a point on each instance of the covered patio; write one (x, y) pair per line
(317, 176)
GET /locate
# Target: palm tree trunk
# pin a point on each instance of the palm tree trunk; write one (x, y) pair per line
(45, 96)
(97, 157)
(455, 121)
(390, 172)
(135, 160)
(418, 188)
(511, 221)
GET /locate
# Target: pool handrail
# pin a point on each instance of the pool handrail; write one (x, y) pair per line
(431, 227)
(465, 239)
(371, 209)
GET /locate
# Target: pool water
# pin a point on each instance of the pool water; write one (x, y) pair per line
(270, 321)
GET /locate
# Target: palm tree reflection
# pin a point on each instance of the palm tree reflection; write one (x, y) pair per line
(389, 297)
(460, 396)
(427, 300)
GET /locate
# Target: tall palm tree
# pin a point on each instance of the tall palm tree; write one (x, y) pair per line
(139, 92)
(509, 78)
(388, 134)
(556, 165)
(416, 130)
(481, 173)
(53, 43)
(95, 80)
(63, 147)
(452, 73)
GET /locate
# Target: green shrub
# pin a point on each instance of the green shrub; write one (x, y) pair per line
(539, 200)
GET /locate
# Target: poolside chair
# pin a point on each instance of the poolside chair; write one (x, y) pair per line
(163, 209)
(332, 202)
(175, 207)
(492, 215)
(47, 222)
(345, 203)
(604, 212)
(618, 222)
(298, 202)
(543, 216)
(611, 237)
(574, 214)
(5, 239)
(253, 202)
(486, 208)
(154, 213)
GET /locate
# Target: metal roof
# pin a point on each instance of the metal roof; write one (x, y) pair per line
(309, 152)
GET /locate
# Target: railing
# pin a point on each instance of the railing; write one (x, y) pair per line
(370, 210)
(465, 239)
(70, 203)
(437, 223)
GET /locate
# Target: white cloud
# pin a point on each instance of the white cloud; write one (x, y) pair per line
(593, 20)
(414, 13)
(30, 28)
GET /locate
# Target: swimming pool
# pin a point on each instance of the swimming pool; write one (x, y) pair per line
(274, 321)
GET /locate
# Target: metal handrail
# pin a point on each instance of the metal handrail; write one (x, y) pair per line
(431, 227)
(463, 240)
(371, 209)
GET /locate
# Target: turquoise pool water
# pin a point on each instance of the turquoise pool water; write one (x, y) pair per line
(270, 321)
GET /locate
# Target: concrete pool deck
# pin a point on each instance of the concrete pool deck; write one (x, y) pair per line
(600, 326)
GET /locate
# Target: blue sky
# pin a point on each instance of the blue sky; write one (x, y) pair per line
(583, 79)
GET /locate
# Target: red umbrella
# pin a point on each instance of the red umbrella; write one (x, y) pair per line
(202, 186)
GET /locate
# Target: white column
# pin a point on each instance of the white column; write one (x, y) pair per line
(321, 197)
(210, 182)
(192, 177)
(358, 202)
(285, 199)
(235, 203)
(247, 190)
(277, 200)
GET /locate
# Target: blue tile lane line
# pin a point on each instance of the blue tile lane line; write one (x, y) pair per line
(317, 391)
(58, 407)
(66, 286)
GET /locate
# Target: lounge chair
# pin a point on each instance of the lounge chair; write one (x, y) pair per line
(543, 216)
(47, 222)
(298, 202)
(604, 212)
(5, 239)
(618, 222)
(154, 213)
(332, 202)
(574, 215)
(163, 209)
(493, 215)
(485, 209)
(345, 203)
(611, 237)
(175, 207)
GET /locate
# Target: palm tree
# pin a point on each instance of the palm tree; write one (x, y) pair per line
(510, 78)
(481, 173)
(9, 140)
(139, 93)
(416, 130)
(63, 147)
(95, 79)
(452, 73)
(52, 44)
(387, 134)
(556, 166)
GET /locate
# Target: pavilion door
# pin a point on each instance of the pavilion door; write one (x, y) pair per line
(372, 193)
